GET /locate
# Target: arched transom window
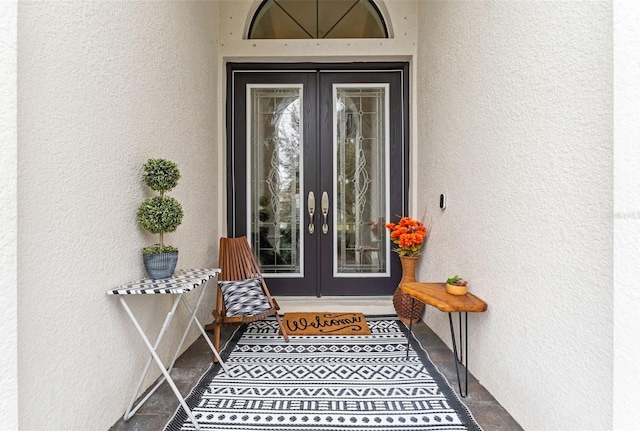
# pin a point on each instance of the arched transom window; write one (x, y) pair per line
(317, 19)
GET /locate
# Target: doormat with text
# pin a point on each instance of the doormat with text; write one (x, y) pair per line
(326, 324)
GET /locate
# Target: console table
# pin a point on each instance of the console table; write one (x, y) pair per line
(435, 294)
(183, 281)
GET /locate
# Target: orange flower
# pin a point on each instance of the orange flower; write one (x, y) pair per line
(409, 235)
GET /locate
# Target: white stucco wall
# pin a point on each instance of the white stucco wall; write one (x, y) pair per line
(511, 117)
(103, 86)
(626, 381)
(515, 101)
(8, 216)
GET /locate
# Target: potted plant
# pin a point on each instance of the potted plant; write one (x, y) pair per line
(160, 214)
(456, 286)
(409, 235)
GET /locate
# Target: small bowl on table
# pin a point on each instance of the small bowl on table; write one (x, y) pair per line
(454, 289)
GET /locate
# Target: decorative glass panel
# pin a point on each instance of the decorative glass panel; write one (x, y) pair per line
(317, 19)
(275, 174)
(361, 180)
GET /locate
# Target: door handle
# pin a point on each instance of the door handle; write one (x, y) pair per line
(325, 211)
(311, 207)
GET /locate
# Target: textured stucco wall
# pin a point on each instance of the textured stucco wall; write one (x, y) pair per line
(512, 118)
(626, 214)
(8, 216)
(103, 86)
(515, 101)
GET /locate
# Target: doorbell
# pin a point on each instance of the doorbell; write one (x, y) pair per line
(443, 201)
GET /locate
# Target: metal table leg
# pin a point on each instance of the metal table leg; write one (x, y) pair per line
(158, 361)
(457, 358)
(202, 331)
(131, 409)
(413, 300)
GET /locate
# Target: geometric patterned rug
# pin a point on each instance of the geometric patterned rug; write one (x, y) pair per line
(326, 383)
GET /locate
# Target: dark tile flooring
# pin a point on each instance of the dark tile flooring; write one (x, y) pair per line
(194, 362)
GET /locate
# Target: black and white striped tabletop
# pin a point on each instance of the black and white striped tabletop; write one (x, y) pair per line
(183, 280)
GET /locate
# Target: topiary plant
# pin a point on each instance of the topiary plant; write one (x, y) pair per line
(160, 214)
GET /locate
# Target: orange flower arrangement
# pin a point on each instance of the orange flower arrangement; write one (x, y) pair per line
(409, 235)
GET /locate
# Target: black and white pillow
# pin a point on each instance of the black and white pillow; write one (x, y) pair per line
(244, 297)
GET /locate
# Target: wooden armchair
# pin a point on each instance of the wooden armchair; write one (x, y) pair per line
(243, 295)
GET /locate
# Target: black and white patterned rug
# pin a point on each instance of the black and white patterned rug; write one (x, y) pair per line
(363, 383)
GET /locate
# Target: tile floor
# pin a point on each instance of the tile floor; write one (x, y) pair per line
(194, 362)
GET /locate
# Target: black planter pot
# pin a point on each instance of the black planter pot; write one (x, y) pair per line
(160, 266)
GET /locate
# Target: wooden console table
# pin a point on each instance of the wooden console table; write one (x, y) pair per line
(435, 294)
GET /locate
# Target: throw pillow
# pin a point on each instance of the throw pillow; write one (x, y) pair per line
(244, 297)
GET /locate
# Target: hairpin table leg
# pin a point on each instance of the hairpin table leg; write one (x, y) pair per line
(413, 300)
(463, 351)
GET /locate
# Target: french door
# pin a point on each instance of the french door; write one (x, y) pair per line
(317, 164)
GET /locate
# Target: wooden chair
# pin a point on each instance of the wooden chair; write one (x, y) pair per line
(238, 263)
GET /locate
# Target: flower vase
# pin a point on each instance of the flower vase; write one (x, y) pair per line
(402, 301)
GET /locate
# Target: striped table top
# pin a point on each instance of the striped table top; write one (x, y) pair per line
(183, 280)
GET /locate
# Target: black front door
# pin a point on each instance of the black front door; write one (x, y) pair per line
(317, 164)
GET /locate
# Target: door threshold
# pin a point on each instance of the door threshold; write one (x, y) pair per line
(372, 305)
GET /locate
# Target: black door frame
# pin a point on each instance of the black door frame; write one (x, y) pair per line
(237, 168)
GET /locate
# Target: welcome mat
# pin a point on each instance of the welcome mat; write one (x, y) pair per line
(324, 383)
(326, 324)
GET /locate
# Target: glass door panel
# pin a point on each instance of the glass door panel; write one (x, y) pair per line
(273, 188)
(361, 186)
(362, 141)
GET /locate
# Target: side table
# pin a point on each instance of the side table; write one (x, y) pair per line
(435, 294)
(183, 281)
